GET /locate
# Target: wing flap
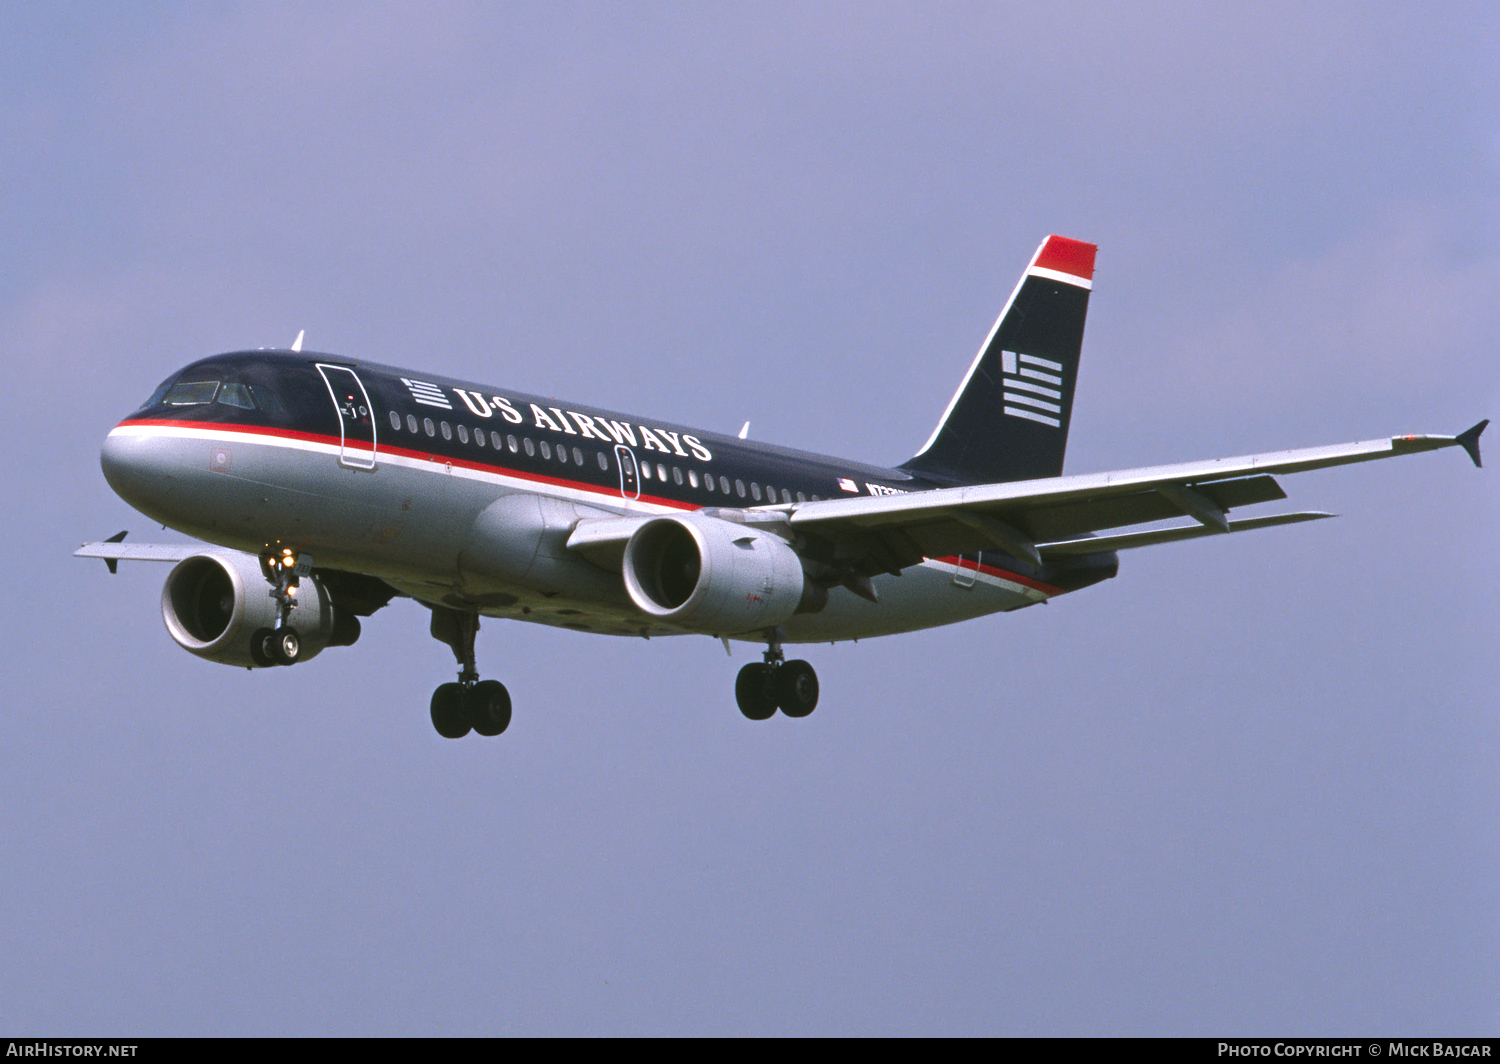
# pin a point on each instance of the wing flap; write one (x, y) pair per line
(1131, 540)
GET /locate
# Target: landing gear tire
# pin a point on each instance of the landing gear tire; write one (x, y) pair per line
(450, 715)
(489, 707)
(286, 646)
(261, 644)
(796, 688)
(752, 690)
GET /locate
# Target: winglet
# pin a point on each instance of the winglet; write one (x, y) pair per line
(1469, 440)
(114, 563)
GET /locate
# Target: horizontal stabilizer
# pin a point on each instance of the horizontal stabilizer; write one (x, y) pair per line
(1131, 540)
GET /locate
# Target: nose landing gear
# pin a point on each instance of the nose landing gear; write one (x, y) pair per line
(482, 706)
(281, 645)
(791, 686)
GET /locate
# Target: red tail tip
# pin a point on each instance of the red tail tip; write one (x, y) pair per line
(1072, 257)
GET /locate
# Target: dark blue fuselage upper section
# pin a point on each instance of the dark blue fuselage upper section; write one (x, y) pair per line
(402, 411)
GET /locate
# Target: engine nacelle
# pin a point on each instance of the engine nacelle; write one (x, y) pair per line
(714, 576)
(213, 603)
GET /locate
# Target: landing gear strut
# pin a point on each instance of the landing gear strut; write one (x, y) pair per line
(775, 683)
(471, 703)
(281, 645)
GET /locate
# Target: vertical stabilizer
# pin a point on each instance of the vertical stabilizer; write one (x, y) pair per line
(1009, 418)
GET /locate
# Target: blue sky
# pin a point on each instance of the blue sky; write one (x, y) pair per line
(1247, 787)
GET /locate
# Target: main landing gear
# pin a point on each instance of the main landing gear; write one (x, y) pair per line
(775, 683)
(280, 645)
(470, 704)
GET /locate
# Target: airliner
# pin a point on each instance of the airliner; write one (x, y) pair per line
(323, 487)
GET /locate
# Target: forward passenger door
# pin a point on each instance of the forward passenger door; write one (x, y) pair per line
(356, 418)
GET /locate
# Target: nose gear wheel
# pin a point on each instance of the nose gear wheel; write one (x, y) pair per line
(281, 645)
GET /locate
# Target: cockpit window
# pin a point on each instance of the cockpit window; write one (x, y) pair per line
(190, 393)
(268, 401)
(156, 396)
(236, 395)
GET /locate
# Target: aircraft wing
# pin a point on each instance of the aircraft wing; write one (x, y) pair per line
(112, 551)
(1048, 518)
(1036, 519)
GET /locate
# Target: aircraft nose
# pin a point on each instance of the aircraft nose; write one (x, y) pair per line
(165, 477)
(128, 466)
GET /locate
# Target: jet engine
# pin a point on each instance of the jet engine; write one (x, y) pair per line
(715, 576)
(214, 603)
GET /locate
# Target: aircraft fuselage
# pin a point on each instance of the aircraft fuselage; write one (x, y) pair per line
(465, 494)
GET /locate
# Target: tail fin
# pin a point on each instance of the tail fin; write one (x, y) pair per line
(1009, 417)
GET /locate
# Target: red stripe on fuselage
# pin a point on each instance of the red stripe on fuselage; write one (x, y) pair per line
(421, 456)
(1003, 574)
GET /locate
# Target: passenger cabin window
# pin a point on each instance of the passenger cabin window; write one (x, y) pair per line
(463, 434)
(447, 430)
(754, 490)
(411, 423)
(603, 462)
(429, 427)
(578, 455)
(693, 477)
(546, 449)
(191, 393)
(395, 421)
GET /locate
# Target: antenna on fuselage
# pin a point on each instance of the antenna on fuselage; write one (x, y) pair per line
(745, 430)
(297, 343)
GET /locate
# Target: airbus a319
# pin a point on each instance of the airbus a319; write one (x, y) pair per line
(323, 487)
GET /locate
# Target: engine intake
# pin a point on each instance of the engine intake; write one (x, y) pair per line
(709, 575)
(213, 603)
